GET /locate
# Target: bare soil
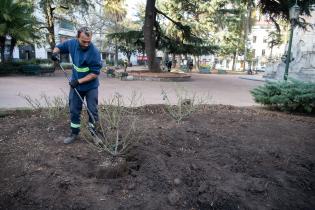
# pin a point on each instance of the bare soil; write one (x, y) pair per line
(220, 158)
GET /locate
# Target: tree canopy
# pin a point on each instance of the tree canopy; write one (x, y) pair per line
(17, 22)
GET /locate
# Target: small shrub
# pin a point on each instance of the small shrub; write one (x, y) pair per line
(118, 129)
(292, 96)
(186, 103)
(51, 107)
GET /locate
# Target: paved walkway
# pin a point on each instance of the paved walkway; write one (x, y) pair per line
(224, 89)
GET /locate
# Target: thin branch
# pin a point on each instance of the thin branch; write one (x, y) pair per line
(170, 19)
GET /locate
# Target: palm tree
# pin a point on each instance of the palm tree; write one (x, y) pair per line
(117, 11)
(17, 22)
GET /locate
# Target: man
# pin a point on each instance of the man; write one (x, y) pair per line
(190, 65)
(86, 68)
(169, 65)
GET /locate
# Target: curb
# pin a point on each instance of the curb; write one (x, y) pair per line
(253, 79)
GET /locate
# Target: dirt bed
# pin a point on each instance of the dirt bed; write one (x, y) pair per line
(220, 158)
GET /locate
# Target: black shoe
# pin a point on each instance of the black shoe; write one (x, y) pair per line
(70, 139)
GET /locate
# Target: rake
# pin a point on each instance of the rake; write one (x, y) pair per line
(91, 126)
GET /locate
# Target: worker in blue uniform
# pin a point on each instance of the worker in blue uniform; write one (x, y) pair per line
(87, 64)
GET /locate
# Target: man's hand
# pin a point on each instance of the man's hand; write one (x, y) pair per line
(55, 57)
(74, 83)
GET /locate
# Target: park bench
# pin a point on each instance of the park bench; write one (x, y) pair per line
(221, 71)
(204, 70)
(184, 68)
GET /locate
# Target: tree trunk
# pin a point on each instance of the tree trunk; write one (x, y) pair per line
(143, 55)
(13, 43)
(196, 61)
(214, 64)
(116, 54)
(234, 59)
(2, 47)
(149, 35)
(270, 56)
(179, 60)
(116, 44)
(173, 60)
(247, 25)
(49, 16)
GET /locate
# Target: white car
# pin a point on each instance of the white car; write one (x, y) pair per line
(260, 68)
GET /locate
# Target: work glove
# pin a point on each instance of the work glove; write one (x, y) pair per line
(74, 83)
(55, 57)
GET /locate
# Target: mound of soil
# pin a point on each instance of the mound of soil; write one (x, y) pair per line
(220, 158)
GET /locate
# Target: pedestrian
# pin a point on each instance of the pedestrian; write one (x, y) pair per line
(125, 65)
(169, 65)
(87, 64)
(190, 65)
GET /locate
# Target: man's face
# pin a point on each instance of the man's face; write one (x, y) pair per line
(84, 40)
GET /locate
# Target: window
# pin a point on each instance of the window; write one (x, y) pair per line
(263, 52)
(254, 39)
(27, 52)
(66, 25)
(265, 40)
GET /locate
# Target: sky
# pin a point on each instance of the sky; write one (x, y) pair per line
(131, 7)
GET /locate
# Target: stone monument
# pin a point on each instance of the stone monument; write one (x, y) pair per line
(302, 66)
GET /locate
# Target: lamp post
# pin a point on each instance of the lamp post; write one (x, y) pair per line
(294, 15)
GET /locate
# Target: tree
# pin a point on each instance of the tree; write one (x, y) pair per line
(129, 41)
(149, 32)
(152, 29)
(274, 40)
(52, 7)
(117, 12)
(189, 31)
(17, 22)
(231, 30)
(279, 10)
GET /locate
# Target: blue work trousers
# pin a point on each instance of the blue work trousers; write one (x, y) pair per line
(75, 104)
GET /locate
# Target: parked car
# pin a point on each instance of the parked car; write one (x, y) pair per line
(260, 69)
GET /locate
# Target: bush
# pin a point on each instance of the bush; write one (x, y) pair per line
(9, 68)
(118, 125)
(186, 103)
(47, 68)
(112, 62)
(39, 61)
(292, 96)
(109, 62)
(31, 69)
(18, 65)
(121, 62)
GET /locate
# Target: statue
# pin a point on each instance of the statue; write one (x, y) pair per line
(302, 65)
